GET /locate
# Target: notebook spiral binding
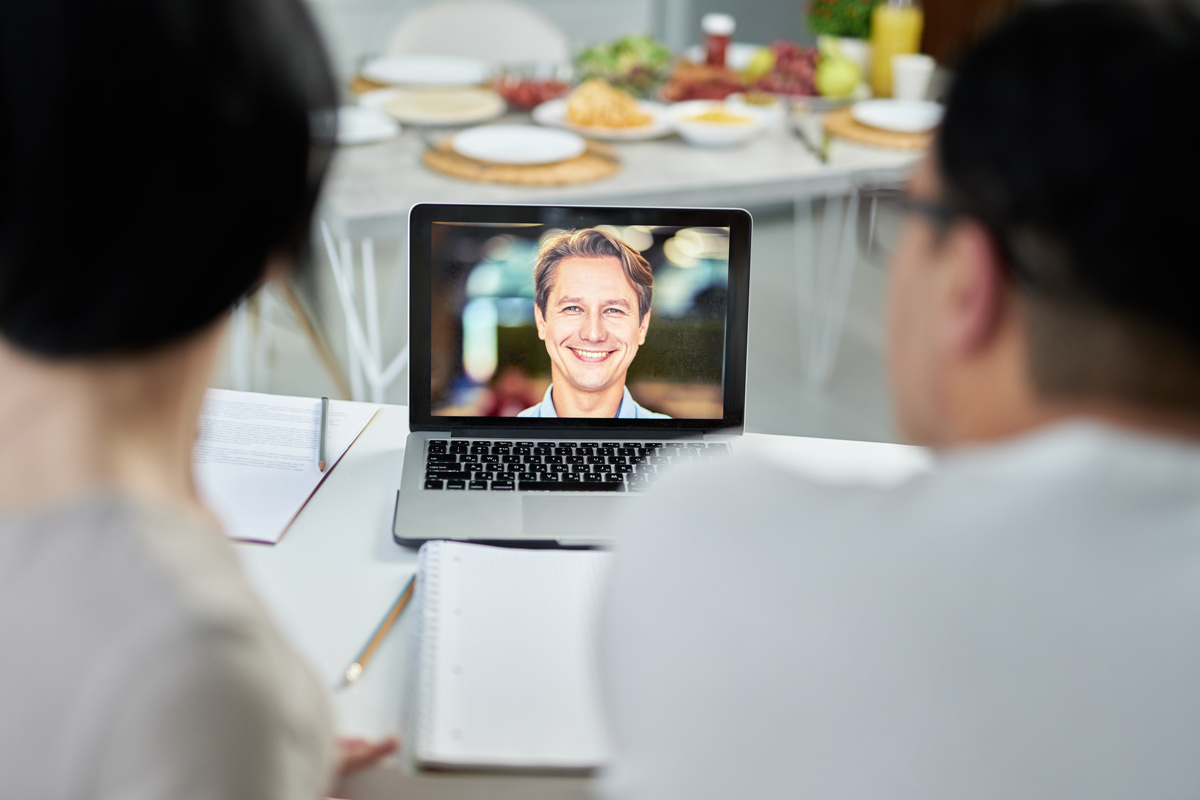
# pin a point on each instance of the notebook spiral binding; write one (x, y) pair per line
(421, 712)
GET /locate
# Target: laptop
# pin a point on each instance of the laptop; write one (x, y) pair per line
(563, 359)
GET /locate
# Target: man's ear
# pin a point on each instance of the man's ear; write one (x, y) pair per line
(643, 326)
(540, 319)
(975, 303)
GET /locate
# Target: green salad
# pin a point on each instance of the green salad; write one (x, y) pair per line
(636, 64)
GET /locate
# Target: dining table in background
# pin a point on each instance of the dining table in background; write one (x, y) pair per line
(372, 187)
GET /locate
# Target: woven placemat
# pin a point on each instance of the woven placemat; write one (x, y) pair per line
(842, 123)
(598, 161)
(361, 85)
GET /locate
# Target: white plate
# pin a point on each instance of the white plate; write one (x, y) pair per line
(443, 106)
(360, 125)
(427, 71)
(554, 114)
(518, 144)
(902, 116)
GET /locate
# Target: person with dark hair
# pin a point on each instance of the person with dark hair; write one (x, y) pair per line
(1021, 621)
(592, 295)
(158, 162)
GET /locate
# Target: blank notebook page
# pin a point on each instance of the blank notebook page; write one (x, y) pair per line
(507, 672)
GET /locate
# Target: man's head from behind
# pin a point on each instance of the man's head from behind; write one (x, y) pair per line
(592, 307)
(1047, 261)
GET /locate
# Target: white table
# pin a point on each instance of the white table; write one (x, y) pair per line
(372, 187)
(337, 571)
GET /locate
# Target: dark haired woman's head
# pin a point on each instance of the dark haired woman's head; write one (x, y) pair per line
(154, 155)
(1067, 135)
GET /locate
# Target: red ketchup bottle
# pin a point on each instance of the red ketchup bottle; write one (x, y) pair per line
(718, 30)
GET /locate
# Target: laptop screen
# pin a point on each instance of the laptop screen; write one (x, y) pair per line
(554, 317)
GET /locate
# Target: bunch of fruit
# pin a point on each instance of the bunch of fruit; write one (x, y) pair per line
(526, 93)
(783, 68)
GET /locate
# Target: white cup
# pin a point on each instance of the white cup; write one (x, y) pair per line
(911, 75)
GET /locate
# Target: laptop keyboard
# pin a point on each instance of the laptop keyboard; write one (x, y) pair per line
(555, 466)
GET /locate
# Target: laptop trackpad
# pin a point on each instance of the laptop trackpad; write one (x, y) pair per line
(573, 518)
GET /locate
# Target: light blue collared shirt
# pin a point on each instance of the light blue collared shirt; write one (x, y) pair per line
(629, 408)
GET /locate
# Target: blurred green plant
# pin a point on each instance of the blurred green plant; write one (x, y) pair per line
(841, 17)
(636, 64)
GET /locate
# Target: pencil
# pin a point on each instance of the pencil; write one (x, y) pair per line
(356, 669)
(324, 425)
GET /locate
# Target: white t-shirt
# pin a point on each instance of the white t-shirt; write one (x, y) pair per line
(1024, 622)
(136, 663)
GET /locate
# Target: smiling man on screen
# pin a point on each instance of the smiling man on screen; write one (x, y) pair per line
(592, 308)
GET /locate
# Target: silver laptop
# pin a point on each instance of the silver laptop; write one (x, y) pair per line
(563, 359)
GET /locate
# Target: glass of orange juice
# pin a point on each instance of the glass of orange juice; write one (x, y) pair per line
(895, 30)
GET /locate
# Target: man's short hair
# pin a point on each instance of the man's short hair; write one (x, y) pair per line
(1089, 198)
(153, 156)
(591, 243)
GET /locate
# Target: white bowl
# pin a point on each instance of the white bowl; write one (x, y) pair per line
(715, 134)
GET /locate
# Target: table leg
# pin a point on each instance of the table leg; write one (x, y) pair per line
(825, 261)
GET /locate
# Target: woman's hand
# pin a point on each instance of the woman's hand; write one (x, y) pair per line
(355, 754)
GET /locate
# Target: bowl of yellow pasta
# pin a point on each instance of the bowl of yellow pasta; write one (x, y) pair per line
(711, 123)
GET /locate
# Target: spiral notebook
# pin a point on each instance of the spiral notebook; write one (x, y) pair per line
(505, 674)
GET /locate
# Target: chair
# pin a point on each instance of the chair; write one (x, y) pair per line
(497, 31)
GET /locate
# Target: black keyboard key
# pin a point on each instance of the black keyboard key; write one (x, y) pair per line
(640, 459)
(528, 476)
(460, 447)
(547, 486)
(531, 459)
(552, 459)
(445, 458)
(501, 443)
(468, 458)
(570, 445)
(595, 459)
(564, 451)
(503, 486)
(576, 459)
(606, 451)
(584, 450)
(572, 477)
(477, 485)
(593, 477)
(617, 460)
(512, 468)
(456, 484)
(604, 469)
(559, 468)
(510, 459)
(614, 478)
(523, 449)
(623, 468)
(627, 451)
(524, 444)
(448, 476)
(580, 469)
(501, 451)
(543, 450)
(438, 442)
(654, 444)
(432, 484)
(538, 468)
(490, 459)
(589, 444)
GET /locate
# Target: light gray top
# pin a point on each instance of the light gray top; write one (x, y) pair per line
(1020, 623)
(137, 663)
(629, 408)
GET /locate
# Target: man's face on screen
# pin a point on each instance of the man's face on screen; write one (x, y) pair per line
(591, 327)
